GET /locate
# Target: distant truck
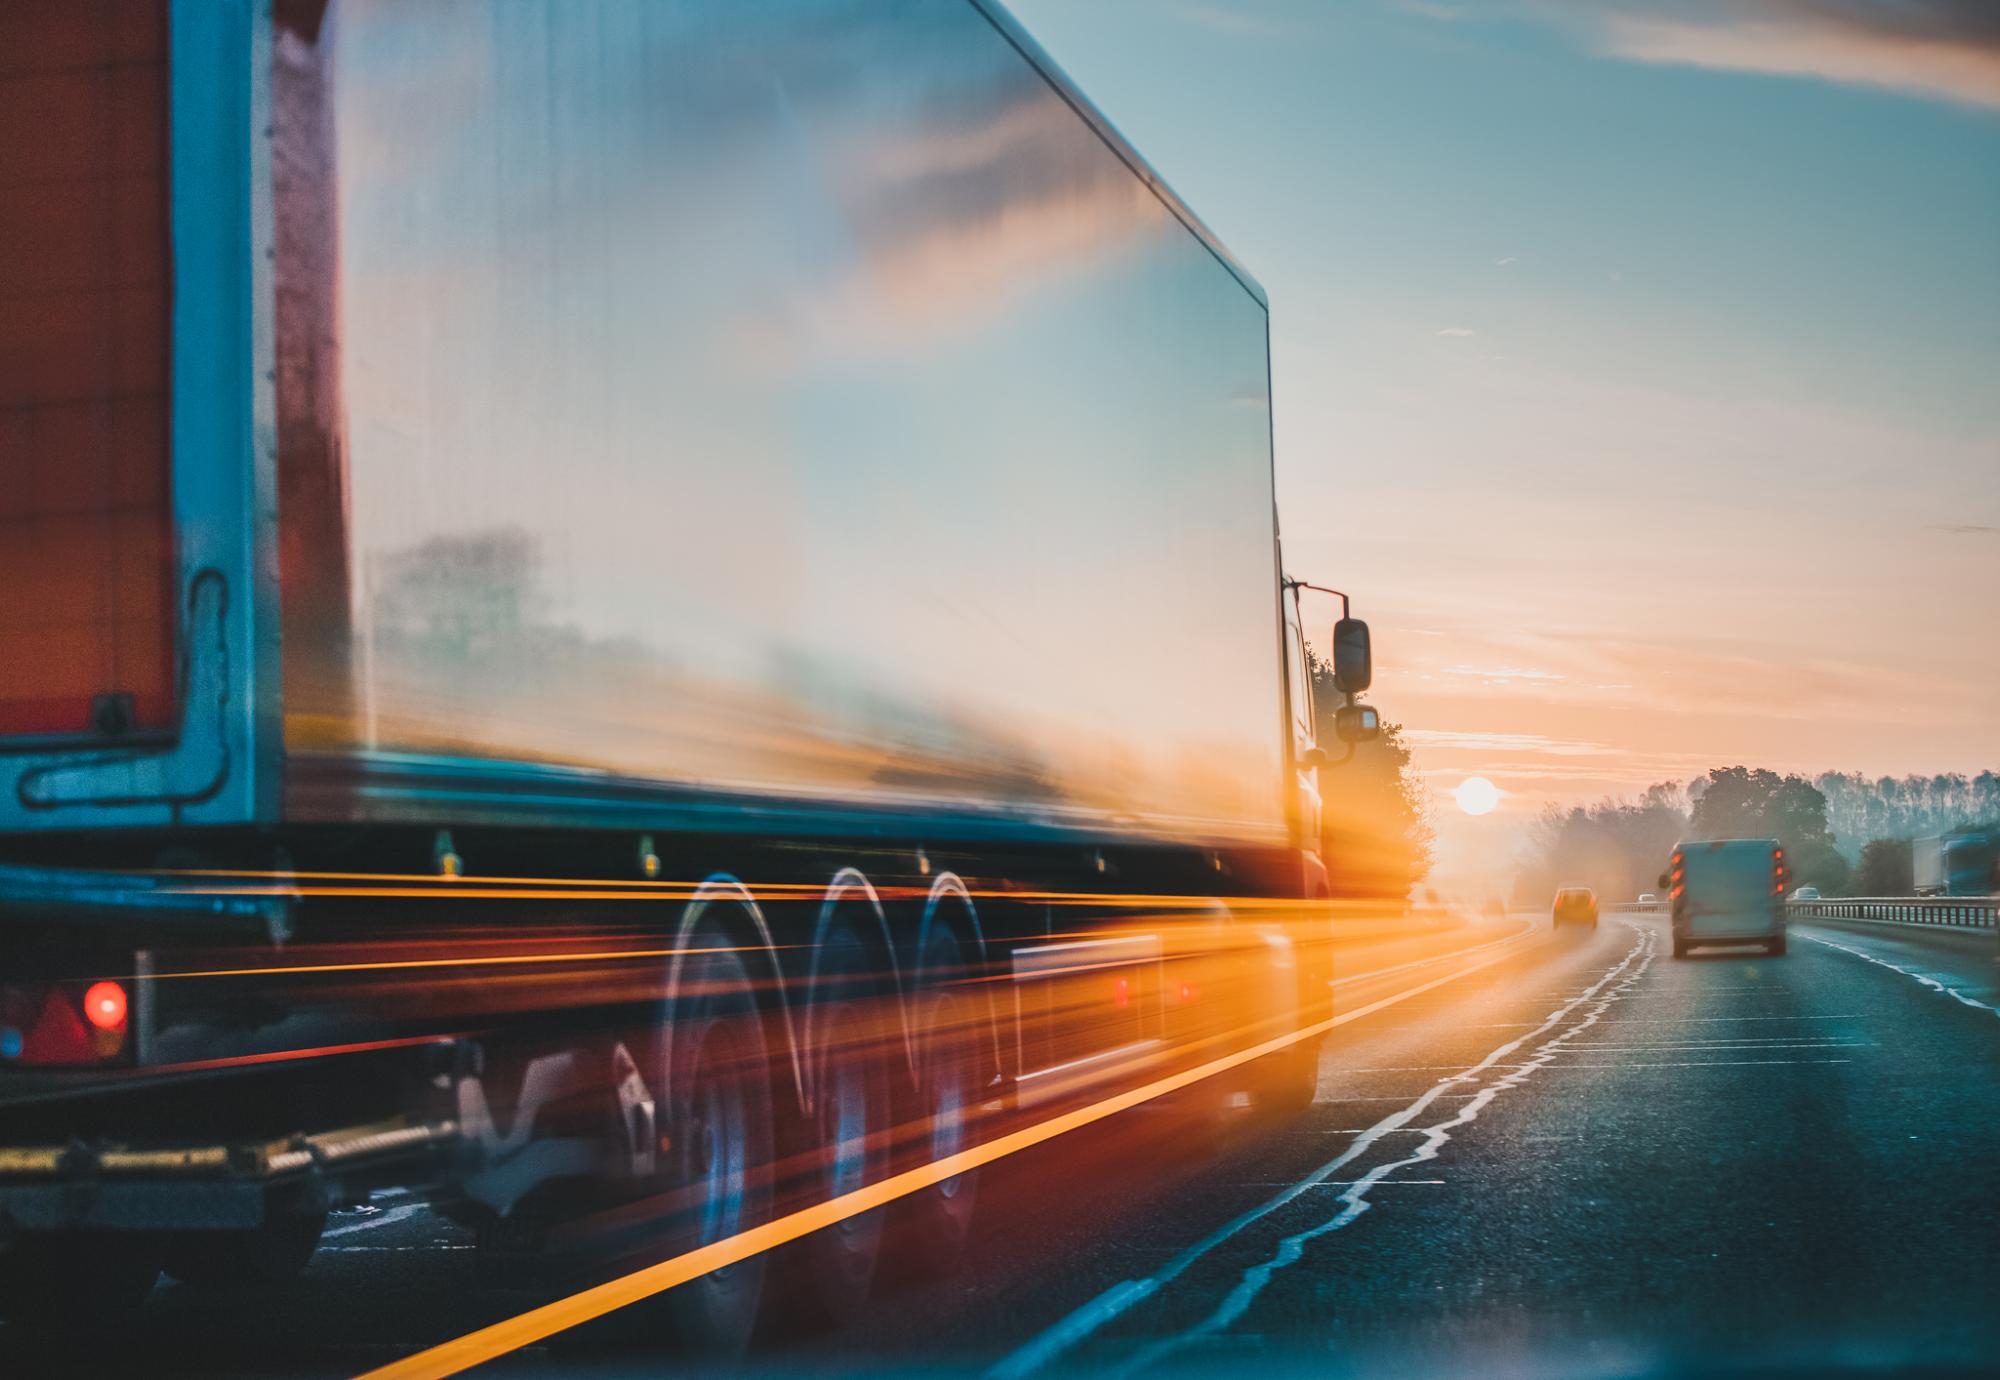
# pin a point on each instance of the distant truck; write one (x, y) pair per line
(561, 565)
(1727, 892)
(1953, 864)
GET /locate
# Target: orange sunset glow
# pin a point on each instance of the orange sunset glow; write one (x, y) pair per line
(999, 689)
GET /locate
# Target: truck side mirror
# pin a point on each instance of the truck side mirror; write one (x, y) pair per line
(1356, 723)
(1353, 662)
(1662, 883)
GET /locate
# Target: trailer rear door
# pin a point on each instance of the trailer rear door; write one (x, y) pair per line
(86, 560)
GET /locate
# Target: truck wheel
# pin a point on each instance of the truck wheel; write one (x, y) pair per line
(271, 1254)
(720, 1124)
(1288, 1081)
(853, 1041)
(1776, 948)
(935, 1222)
(1680, 947)
(75, 1279)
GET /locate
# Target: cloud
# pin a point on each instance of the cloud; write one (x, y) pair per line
(1502, 263)
(1456, 331)
(1946, 50)
(1442, 739)
(1501, 674)
(1965, 529)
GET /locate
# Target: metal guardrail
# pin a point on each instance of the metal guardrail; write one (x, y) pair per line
(1960, 912)
(1952, 912)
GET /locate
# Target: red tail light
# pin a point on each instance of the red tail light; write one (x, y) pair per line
(1121, 993)
(104, 1006)
(58, 1026)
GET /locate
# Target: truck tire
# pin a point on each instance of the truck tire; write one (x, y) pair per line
(854, 1037)
(1288, 1081)
(1680, 947)
(720, 1130)
(1776, 948)
(76, 1279)
(271, 1254)
(932, 1224)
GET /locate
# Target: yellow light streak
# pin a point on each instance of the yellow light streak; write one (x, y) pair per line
(487, 960)
(525, 1329)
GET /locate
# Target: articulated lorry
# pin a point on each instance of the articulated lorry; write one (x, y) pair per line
(1953, 865)
(619, 613)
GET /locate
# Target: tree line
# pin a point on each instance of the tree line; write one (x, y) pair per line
(1843, 833)
(1375, 820)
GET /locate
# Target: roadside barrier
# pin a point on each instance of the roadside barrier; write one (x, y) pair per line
(1960, 912)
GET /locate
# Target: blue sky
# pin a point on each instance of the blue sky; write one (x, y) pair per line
(1637, 364)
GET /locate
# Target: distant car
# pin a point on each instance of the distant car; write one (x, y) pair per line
(1647, 898)
(1575, 905)
(1806, 893)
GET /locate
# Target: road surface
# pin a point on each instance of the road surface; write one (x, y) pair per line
(1532, 1152)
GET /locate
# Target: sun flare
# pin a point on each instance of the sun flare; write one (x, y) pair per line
(1476, 795)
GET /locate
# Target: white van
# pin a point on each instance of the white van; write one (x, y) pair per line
(1728, 891)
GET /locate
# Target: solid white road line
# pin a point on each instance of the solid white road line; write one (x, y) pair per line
(1924, 978)
(1354, 1202)
(1079, 1325)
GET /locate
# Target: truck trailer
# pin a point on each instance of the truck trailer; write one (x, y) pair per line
(614, 613)
(1953, 865)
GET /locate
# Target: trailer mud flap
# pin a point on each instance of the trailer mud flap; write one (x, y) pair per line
(513, 1165)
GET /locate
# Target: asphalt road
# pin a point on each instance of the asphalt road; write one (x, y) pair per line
(1542, 1153)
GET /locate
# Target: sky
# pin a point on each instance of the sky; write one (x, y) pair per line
(1636, 363)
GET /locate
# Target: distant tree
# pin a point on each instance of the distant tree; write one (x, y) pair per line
(1884, 869)
(1616, 847)
(1375, 813)
(1888, 807)
(1741, 803)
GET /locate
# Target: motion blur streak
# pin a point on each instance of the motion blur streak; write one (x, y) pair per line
(476, 1348)
(456, 962)
(286, 883)
(279, 1056)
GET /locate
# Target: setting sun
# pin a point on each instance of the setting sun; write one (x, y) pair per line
(1476, 795)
